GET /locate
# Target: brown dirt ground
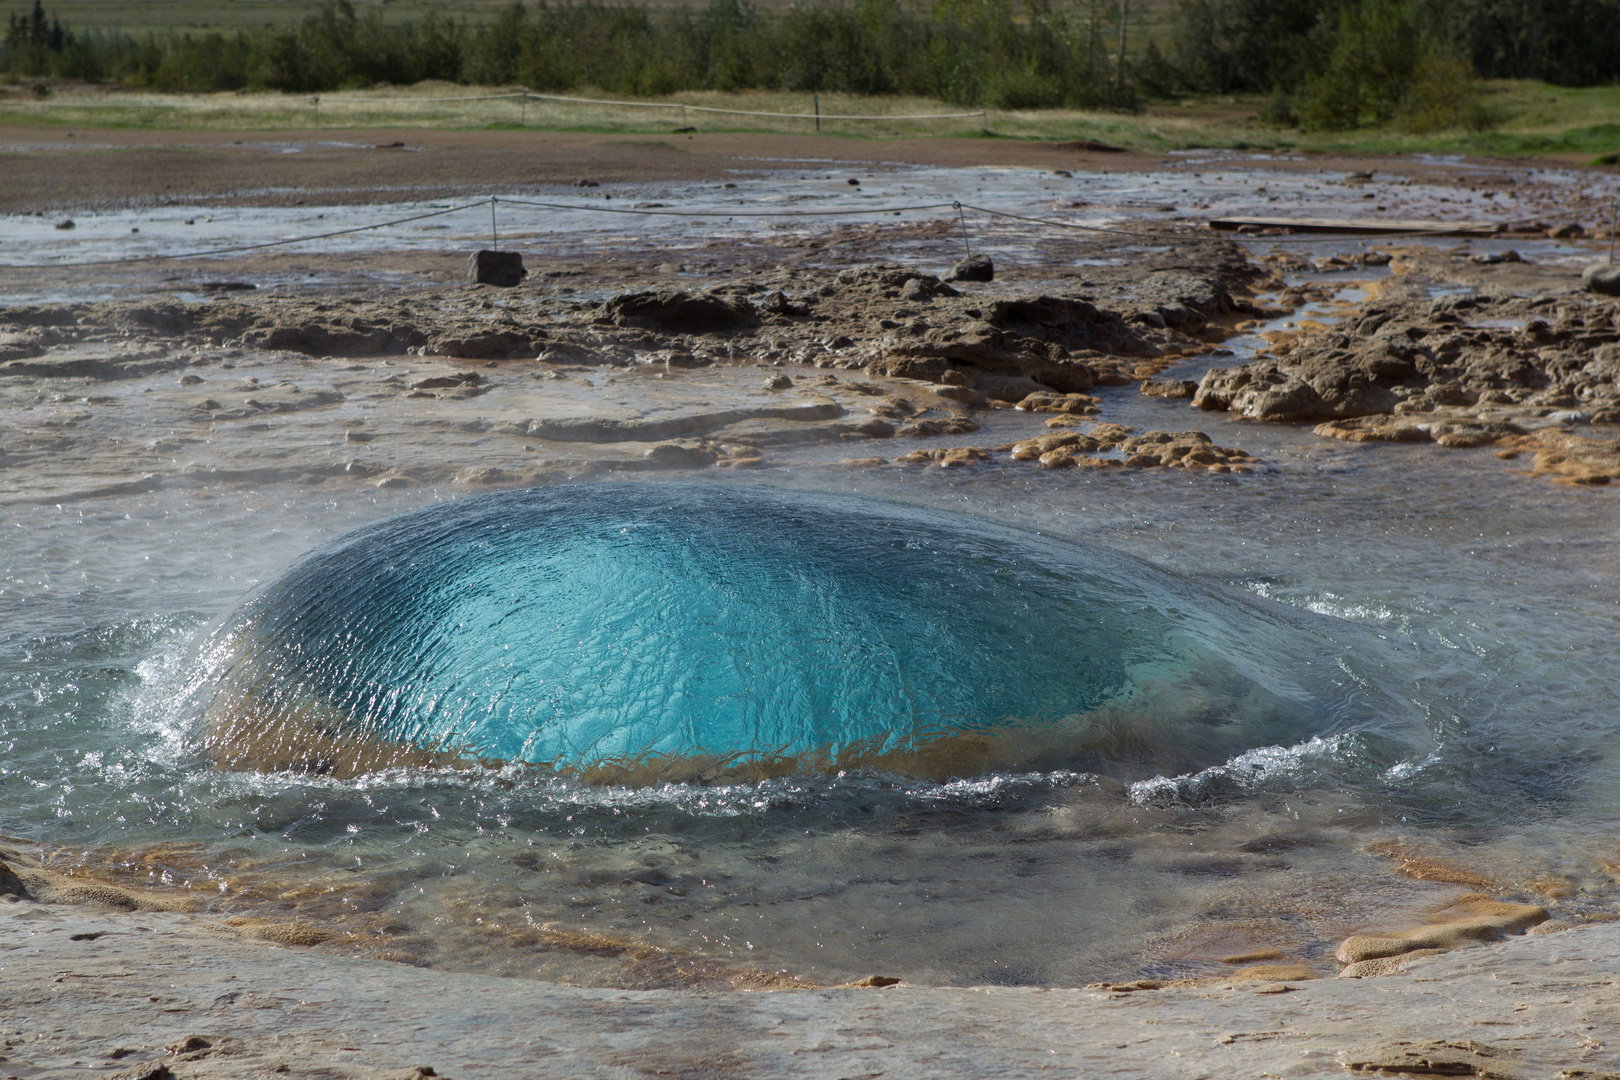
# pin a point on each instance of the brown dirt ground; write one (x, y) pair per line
(45, 170)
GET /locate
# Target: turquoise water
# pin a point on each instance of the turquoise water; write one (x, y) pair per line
(1432, 639)
(722, 626)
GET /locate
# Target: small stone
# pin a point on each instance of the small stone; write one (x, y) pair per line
(146, 1070)
(973, 268)
(873, 429)
(65, 223)
(778, 382)
(1551, 926)
(1461, 1057)
(448, 382)
(503, 268)
(1040, 446)
(1047, 401)
(1568, 231)
(1169, 388)
(1275, 973)
(191, 380)
(954, 457)
(676, 456)
(874, 980)
(922, 429)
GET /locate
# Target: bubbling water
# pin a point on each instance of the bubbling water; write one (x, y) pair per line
(638, 633)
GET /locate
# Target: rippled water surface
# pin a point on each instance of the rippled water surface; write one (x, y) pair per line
(1487, 601)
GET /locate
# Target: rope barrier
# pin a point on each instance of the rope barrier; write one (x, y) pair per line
(649, 212)
(491, 201)
(745, 112)
(1322, 238)
(250, 247)
(1054, 221)
(1214, 234)
(526, 95)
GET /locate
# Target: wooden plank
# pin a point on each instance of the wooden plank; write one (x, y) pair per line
(1361, 225)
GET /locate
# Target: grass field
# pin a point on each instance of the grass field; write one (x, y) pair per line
(1535, 119)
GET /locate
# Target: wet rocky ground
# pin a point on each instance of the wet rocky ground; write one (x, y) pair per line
(1511, 355)
(841, 349)
(868, 364)
(750, 361)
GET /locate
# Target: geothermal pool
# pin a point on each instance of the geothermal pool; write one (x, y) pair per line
(1387, 657)
(1465, 620)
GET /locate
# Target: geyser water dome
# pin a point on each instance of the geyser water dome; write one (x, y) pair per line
(644, 632)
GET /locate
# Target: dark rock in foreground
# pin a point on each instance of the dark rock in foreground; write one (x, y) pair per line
(671, 309)
(973, 268)
(1602, 278)
(504, 268)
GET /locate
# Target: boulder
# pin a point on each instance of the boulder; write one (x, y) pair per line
(481, 344)
(1069, 322)
(669, 308)
(922, 368)
(893, 280)
(504, 268)
(1602, 278)
(973, 268)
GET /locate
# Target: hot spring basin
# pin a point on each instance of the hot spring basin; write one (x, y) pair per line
(639, 633)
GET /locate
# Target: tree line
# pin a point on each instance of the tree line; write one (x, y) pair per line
(1321, 63)
(1335, 64)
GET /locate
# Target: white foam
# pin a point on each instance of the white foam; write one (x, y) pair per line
(1253, 769)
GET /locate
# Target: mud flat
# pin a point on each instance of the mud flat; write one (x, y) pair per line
(172, 434)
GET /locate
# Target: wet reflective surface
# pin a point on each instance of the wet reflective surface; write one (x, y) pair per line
(1493, 598)
(643, 632)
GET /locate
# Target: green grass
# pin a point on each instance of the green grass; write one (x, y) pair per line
(1535, 120)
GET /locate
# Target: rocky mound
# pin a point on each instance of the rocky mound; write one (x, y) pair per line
(1404, 357)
